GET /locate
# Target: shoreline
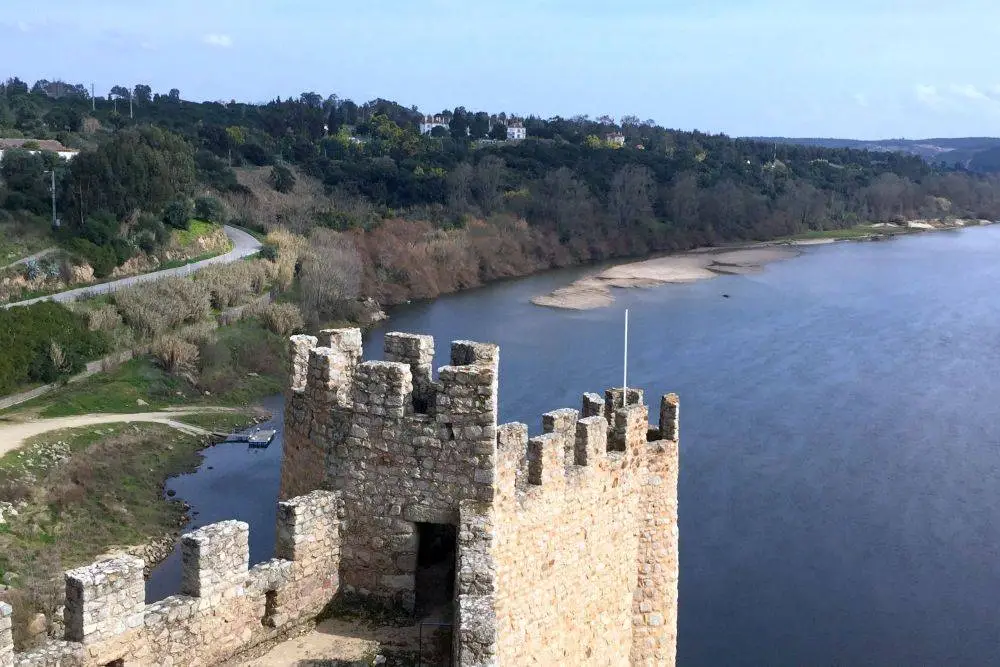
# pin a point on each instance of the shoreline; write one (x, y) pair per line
(595, 290)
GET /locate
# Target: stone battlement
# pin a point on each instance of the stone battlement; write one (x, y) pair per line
(566, 542)
(224, 607)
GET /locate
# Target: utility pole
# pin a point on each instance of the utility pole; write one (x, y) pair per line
(55, 220)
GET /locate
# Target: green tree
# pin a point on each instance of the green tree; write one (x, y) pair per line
(210, 209)
(178, 213)
(143, 94)
(138, 169)
(459, 125)
(499, 131)
(281, 178)
(479, 125)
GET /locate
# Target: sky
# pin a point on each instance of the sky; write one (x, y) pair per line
(864, 69)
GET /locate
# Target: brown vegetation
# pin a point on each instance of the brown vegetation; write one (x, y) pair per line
(164, 305)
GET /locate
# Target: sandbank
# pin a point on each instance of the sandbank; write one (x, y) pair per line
(595, 291)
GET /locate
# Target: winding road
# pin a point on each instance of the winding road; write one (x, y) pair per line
(244, 245)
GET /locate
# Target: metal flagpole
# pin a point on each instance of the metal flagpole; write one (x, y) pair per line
(625, 365)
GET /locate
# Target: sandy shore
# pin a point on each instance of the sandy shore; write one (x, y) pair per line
(595, 291)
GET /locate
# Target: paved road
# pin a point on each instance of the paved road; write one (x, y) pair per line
(244, 245)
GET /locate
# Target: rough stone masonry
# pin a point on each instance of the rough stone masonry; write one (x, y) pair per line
(566, 542)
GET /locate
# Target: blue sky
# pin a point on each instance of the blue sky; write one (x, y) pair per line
(846, 68)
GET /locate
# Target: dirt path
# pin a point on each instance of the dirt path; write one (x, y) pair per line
(14, 434)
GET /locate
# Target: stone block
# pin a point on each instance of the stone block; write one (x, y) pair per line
(308, 526)
(591, 441)
(102, 598)
(6, 636)
(546, 465)
(670, 406)
(215, 559)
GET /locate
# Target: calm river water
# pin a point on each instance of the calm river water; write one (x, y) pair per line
(839, 443)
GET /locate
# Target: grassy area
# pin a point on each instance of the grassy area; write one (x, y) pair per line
(191, 260)
(196, 229)
(81, 493)
(243, 363)
(20, 239)
(222, 422)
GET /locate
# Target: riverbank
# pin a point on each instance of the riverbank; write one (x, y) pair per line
(595, 291)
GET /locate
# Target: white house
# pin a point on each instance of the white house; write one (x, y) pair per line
(516, 131)
(430, 122)
(48, 145)
(615, 139)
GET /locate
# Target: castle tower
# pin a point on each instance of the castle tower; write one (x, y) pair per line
(554, 549)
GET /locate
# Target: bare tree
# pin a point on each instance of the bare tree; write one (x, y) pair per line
(631, 198)
(487, 183)
(331, 274)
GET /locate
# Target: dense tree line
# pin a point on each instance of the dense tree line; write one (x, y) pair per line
(662, 190)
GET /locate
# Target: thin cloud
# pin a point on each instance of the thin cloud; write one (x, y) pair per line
(861, 99)
(218, 40)
(928, 95)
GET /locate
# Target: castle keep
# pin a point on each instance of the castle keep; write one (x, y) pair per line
(558, 549)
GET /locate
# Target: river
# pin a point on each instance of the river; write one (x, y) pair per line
(839, 446)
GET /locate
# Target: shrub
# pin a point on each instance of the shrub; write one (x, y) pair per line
(210, 209)
(235, 284)
(174, 355)
(331, 274)
(158, 307)
(282, 319)
(43, 342)
(281, 178)
(178, 213)
(105, 318)
(103, 259)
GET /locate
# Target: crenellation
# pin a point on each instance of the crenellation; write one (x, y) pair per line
(565, 543)
(104, 600)
(593, 405)
(383, 390)
(546, 460)
(418, 353)
(215, 559)
(591, 440)
(670, 417)
(232, 610)
(299, 347)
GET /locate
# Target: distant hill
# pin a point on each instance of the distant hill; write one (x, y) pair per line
(973, 153)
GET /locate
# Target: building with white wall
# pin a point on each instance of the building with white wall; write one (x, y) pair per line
(43, 145)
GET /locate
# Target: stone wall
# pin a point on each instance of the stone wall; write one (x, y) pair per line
(574, 542)
(567, 543)
(224, 607)
(404, 449)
